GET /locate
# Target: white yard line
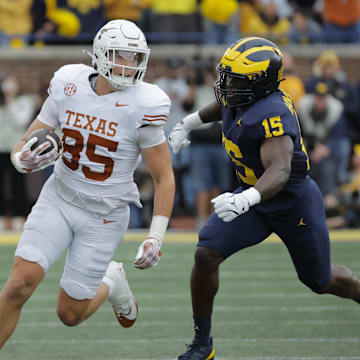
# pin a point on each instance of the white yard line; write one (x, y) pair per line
(238, 323)
(181, 295)
(137, 340)
(231, 308)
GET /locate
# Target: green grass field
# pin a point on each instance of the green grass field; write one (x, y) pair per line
(261, 312)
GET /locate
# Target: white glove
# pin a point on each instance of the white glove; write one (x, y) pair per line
(148, 254)
(28, 160)
(229, 206)
(178, 138)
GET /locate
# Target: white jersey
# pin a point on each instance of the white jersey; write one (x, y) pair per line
(102, 137)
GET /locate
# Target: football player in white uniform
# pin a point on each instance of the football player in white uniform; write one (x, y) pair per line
(108, 117)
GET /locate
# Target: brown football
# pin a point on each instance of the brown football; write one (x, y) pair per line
(44, 135)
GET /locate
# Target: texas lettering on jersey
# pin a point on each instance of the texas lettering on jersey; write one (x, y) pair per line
(91, 123)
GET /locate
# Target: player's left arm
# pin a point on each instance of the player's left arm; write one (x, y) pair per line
(158, 162)
(276, 155)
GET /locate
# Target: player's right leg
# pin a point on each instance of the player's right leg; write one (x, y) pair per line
(343, 283)
(217, 241)
(25, 276)
(45, 236)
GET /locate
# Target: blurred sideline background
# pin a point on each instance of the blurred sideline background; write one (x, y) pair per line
(319, 40)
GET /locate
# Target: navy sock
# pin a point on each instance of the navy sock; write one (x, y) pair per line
(202, 327)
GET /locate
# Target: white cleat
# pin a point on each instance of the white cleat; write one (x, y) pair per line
(122, 299)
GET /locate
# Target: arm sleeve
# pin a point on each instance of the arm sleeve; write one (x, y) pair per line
(150, 136)
(48, 113)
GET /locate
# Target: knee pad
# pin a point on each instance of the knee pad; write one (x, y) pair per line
(33, 254)
(76, 290)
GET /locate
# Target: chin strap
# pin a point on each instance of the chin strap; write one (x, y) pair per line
(87, 52)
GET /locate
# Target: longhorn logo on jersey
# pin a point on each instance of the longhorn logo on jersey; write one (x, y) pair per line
(70, 89)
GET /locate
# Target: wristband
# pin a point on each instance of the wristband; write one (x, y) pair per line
(158, 228)
(15, 159)
(252, 195)
(192, 121)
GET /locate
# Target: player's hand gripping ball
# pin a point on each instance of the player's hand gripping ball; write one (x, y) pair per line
(44, 135)
(42, 147)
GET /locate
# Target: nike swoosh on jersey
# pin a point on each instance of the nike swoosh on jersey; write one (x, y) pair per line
(119, 105)
(108, 221)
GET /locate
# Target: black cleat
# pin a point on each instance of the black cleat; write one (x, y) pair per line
(196, 351)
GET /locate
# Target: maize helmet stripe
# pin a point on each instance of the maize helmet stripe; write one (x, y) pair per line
(242, 42)
(244, 63)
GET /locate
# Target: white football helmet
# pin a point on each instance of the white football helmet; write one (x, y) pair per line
(126, 39)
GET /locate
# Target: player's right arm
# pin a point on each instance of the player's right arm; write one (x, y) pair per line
(178, 135)
(23, 158)
(35, 125)
(26, 160)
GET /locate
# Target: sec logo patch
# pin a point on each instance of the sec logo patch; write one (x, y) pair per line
(70, 89)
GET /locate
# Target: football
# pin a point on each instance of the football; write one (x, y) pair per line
(44, 135)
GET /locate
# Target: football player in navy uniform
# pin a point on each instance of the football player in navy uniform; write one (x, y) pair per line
(262, 137)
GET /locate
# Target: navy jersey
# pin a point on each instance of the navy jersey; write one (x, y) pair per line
(244, 130)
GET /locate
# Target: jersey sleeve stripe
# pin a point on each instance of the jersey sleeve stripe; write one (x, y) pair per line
(156, 119)
(155, 116)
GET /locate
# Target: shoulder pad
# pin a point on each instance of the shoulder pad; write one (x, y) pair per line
(275, 104)
(154, 107)
(65, 79)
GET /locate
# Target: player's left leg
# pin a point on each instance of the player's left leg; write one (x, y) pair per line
(305, 233)
(217, 241)
(114, 287)
(89, 277)
(72, 311)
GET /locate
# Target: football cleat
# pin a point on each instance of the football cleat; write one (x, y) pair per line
(196, 351)
(122, 299)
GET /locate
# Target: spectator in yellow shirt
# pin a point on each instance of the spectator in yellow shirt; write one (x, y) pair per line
(125, 9)
(267, 22)
(292, 84)
(220, 21)
(175, 21)
(15, 22)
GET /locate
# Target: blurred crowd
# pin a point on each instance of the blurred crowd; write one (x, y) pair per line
(41, 22)
(328, 106)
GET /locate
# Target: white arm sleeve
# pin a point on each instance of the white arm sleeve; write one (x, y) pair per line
(48, 113)
(150, 136)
